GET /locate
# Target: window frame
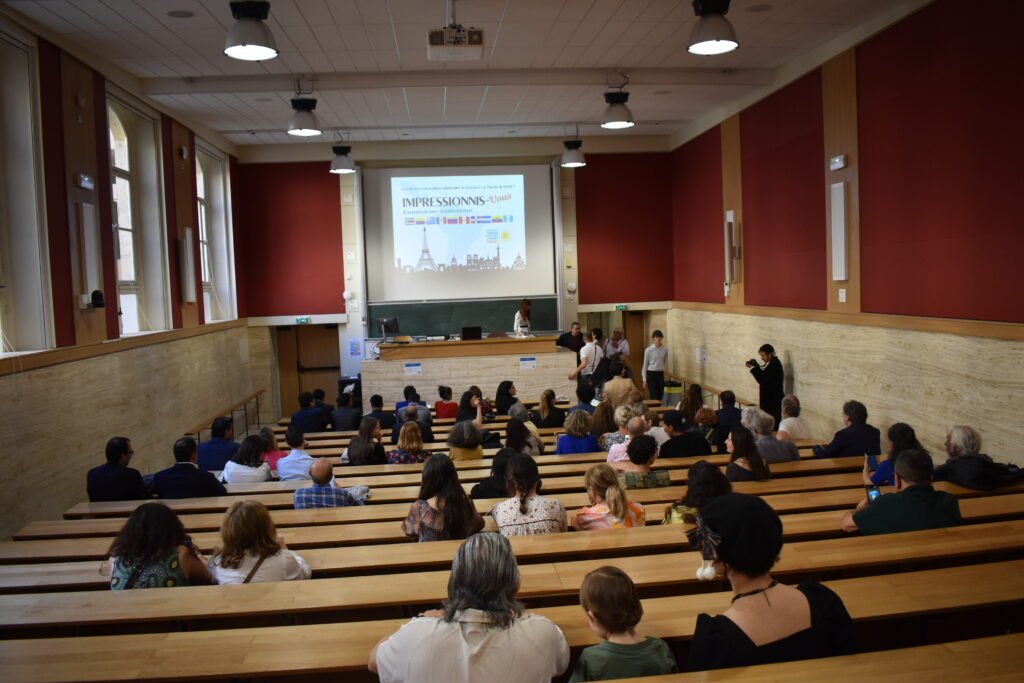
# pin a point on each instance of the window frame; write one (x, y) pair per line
(215, 233)
(137, 285)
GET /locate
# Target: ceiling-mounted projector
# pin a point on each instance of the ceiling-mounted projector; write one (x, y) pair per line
(455, 44)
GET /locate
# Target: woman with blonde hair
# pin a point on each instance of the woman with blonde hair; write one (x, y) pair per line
(251, 551)
(623, 414)
(609, 507)
(410, 446)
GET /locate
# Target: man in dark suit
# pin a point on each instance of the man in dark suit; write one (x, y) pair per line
(682, 443)
(114, 480)
(386, 419)
(411, 414)
(308, 417)
(184, 479)
(770, 380)
(857, 438)
(726, 418)
(221, 447)
(345, 417)
(318, 401)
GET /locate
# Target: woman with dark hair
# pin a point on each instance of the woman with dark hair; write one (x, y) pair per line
(482, 632)
(688, 406)
(521, 326)
(471, 409)
(152, 550)
(704, 483)
(526, 513)
(504, 397)
(485, 405)
(465, 442)
(740, 537)
(745, 461)
(442, 510)
(366, 448)
(247, 465)
(519, 438)
(251, 551)
(446, 407)
(696, 392)
(901, 437)
(496, 485)
(603, 420)
(273, 452)
(548, 415)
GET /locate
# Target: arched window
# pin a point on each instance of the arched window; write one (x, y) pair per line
(125, 236)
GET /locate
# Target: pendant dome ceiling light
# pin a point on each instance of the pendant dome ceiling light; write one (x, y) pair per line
(342, 163)
(250, 38)
(303, 122)
(617, 115)
(713, 34)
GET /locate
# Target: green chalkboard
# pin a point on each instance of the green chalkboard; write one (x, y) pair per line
(449, 317)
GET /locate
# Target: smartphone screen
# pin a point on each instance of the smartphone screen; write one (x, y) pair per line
(873, 493)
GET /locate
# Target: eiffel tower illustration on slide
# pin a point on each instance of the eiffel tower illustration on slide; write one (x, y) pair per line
(426, 261)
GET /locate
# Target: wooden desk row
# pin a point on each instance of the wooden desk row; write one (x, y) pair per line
(339, 647)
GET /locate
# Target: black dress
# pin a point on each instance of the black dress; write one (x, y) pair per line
(718, 643)
(771, 380)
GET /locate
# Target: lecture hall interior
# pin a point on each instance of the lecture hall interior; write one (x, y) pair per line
(186, 234)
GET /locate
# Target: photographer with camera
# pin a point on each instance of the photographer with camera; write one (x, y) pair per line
(770, 376)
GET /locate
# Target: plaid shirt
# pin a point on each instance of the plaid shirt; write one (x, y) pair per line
(323, 496)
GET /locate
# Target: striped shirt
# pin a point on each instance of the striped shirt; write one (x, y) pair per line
(324, 496)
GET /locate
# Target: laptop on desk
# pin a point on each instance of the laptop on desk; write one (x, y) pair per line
(470, 333)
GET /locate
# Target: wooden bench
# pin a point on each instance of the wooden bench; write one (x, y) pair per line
(338, 647)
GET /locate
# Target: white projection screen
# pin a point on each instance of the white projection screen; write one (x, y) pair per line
(456, 233)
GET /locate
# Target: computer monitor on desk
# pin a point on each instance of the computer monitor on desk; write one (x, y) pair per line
(388, 327)
(470, 333)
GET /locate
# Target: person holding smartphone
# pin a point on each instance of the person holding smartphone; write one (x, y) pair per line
(770, 377)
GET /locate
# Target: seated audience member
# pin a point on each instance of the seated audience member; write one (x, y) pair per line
(966, 466)
(705, 424)
(496, 485)
(152, 550)
(215, 452)
(688, 408)
(411, 413)
(526, 513)
(585, 394)
(636, 402)
(603, 420)
(465, 442)
(481, 633)
(696, 393)
(610, 600)
(272, 452)
(792, 426)
(654, 427)
(410, 447)
(504, 397)
(771, 449)
(682, 443)
(618, 388)
(366, 447)
(471, 409)
(519, 412)
(740, 536)
(296, 464)
(623, 414)
(309, 418)
(485, 405)
(704, 483)
(856, 438)
(114, 480)
(745, 461)
(636, 473)
(547, 414)
(386, 419)
(408, 392)
(251, 551)
(577, 437)
(184, 479)
(345, 418)
(727, 417)
(900, 437)
(634, 428)
(442, 510)
(324, 493)
(247, 467)
(319, 401)
(519, 438)
(446, 407)
(609, 506)
(915, 506)
(423, 413)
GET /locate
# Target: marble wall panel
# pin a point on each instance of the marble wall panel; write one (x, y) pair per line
(928, 380)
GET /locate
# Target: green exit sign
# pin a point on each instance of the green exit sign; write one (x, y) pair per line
(621, 307)
(304, 320)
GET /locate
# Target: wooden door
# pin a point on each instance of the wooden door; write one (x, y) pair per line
(633, 328)
(308, 358)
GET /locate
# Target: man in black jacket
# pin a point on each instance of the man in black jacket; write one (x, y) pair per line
(114, 480)
(726, 418)
(857, 437)
(682, 443)
(770, 378)
(184, 479)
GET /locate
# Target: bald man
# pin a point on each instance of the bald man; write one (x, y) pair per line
(324, 493)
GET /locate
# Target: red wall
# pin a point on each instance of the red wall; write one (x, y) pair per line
(782, 151)
(624, 228)
(939, 118)
(697, 219)
(287, 222)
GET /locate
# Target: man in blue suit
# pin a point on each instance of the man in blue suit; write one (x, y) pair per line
(184, 479)
(726, 418)
(114, 480)
(857, 437)
(221, 447)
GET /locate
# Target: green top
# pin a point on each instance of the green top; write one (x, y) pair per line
(644, 480)
(607, 661)
(915, 508)
(681, 514)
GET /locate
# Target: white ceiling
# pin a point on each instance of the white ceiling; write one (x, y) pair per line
(544, 70)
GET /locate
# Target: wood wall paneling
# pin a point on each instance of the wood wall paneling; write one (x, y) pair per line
(194, 224)
(105, 194)
(171, 208)
(839, 106)
(288, 368)
(182, 182)
(732, 199)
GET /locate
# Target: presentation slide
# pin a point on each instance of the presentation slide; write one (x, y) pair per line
(458, 233)
(459, 223)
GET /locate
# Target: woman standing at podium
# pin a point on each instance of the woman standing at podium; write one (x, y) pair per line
(522, 323)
